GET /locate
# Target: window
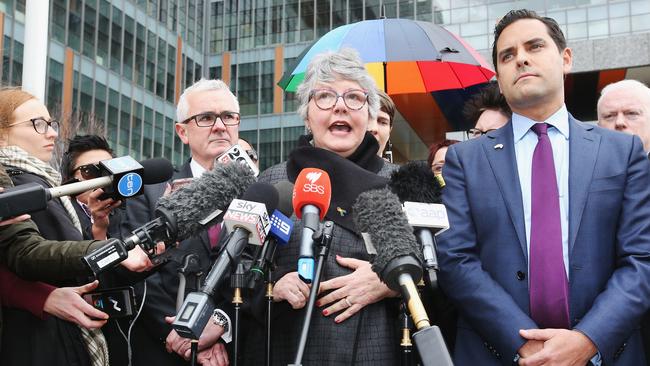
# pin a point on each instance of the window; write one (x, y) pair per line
(90, 19)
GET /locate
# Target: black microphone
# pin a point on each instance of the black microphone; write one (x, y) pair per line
(398, 263)
(419, 191)
(121, 178)
(280, 232)
(195, 206)
(179, 215)
(248, 222)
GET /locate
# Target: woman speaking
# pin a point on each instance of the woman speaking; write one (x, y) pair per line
(355, 322)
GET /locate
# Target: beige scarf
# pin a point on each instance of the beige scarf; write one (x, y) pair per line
(19, 158)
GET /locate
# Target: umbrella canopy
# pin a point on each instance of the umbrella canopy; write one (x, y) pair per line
(403, 56)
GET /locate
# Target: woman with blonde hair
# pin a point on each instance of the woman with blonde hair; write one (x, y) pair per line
(27, 138)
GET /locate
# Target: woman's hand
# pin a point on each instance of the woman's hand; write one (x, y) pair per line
(14, 220)
(66, 303)
(291, 289)
(354, 291)
(100, 211)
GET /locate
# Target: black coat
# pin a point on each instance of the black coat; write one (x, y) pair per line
(370, 337)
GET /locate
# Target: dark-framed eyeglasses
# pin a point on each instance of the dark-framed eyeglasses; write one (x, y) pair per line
(41, 124)
(326, 98)
(208, 119)
(473, 133)
(89, 171)
(252, 154)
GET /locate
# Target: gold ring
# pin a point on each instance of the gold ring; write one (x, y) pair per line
(347, 301)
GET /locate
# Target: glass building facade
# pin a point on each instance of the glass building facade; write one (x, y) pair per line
(128, 60)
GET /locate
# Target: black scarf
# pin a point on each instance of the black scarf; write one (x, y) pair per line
(349, 176)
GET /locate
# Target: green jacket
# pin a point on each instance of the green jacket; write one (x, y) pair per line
(25, 252)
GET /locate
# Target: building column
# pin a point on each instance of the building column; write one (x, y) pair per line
(277, 75)
(35, 50)
(178, 70)
(68, 80)
(225, 68)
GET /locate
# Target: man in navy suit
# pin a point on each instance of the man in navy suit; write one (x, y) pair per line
(548, 251)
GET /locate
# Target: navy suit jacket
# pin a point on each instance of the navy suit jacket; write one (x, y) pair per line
(483, 255)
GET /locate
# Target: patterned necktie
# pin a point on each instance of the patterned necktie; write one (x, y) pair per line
(549, 287)
(213, 234)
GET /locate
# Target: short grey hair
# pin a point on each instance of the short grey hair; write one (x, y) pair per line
(182, 109)
(330, 66)
(627, 84)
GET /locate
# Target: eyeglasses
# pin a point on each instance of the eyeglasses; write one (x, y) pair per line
(326, 98)
(88, 171)
(473, 133)
(41, 124)
(252, 154)
(208, 119)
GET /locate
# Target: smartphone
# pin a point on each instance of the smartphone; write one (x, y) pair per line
(178, 183)
(118, 302)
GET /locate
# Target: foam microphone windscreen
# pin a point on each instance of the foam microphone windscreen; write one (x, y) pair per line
(415, 182)
(156, 170)
(379, 214)
(285, 193)
(312, 187)
(214, 190)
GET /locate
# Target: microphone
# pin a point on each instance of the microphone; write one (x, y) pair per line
(194, 206)
(398, 264)
(121, 178)
(179, 215)
(248, 226)
(311, 200)
(398, 261)
(237, 154)
(280, 233)
(419, 190)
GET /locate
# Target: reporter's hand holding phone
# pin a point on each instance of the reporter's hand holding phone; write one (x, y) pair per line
(66, 303)
(100, 209)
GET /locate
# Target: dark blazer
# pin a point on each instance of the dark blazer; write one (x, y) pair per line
(162, 286)
(483, 255)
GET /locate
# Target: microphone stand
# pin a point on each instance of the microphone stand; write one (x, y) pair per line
(264, 266)
(189, 266)
(405, 343)
(267, 315)
(237, 281)
(324, 239)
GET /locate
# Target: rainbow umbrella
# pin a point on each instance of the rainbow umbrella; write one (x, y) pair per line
(403, 56)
